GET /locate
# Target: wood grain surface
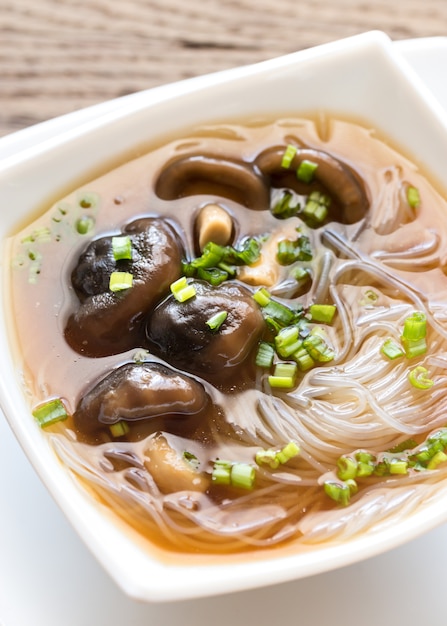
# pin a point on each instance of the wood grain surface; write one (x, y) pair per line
(57, 56)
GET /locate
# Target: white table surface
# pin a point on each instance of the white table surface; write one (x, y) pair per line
(48, 577)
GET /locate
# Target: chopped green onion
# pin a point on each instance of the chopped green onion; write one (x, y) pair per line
(119, 281)
(398, 466)
(347, 467)
(267, 457)
(262, 296)
(243, 475)
(249, 254)
(419, 378)
(415, 327)
(221, 474)
(281, 382)
(370, 297)
(212, 254)
(352, 485)
(287, 341)
(279, 312)
(216, 320)
(438, 438)
(191, 460)
(382, 467)
(288, 156)
(50, 412)
(303, 360)
(265, 355)
(425, 454)
(414, 348)
(284, 208)
(289, 451)
(437, 459)
(276, 458)
(323, 313)
(290, 251)
(119, 429)
(413, 197)
(316, 207)
(285, 369)
(391, 349)
(228, 269)
(121, 247)
(42, 235)
(240, 475)
(408, 444)
(365, 463)
(283, 376)
(213, 275)
(306, 171)
(182, 290)
(217, 262)
(300, 273)
(318, 349)
(84, 224)
(338, 491)
(305, 248)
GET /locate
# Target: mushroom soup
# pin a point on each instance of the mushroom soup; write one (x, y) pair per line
(239, 339)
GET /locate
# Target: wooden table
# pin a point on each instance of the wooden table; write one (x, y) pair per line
(60, 55)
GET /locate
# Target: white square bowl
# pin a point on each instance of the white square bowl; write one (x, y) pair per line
(360, 78)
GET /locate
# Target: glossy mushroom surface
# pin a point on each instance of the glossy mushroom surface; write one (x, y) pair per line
(344, 186)
(147, 396)
(179, 333)
(108, 322)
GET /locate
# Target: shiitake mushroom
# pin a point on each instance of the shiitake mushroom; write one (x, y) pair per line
(148, 397)
(107, 322)
(344, 186)
(250, 183)
(178, 332)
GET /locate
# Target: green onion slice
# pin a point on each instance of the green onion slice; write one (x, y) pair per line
(347, 467)
(121, 247)
(413, 197)
(243, 475)
(316, 207)
(265, 355)
(288, 156)
(419, 378)
(262, 296)
(338, 491)
(50, 412)
(191, 460)
(221, 474)
(414, 348)
(240, 475)
(119, 429)
(391, 349)
(306, 171)
(415, 326)
(284, 207)
(182, 290)
(323, 313)
(284, 376)
(288, 452)
(120, 281)
(216, 320)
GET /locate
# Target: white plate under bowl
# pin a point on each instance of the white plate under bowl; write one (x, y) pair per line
(361, 77)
